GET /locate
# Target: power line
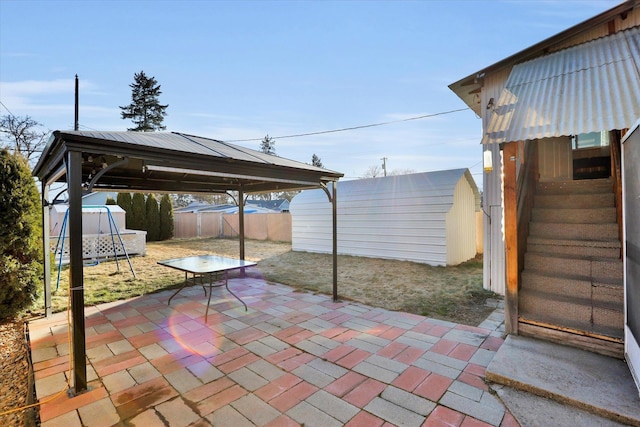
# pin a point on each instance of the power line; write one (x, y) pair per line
(7, 108)
(425, 116)
(87, 127)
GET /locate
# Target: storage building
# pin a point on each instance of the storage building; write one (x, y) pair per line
(424, 217)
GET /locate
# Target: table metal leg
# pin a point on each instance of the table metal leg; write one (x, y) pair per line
(226, 285)
(186, 280)
(184, 284)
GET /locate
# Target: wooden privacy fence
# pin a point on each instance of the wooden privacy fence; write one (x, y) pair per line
(258, 226)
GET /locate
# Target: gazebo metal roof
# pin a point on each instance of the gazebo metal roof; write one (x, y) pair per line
(157, 162)
(175, 162)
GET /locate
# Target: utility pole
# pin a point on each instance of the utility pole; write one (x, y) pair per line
(384, 165)
(76, 122)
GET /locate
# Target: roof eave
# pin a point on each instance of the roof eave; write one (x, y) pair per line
(463, 85)
(231, 173)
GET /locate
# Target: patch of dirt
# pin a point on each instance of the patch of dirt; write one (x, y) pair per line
(14, 376)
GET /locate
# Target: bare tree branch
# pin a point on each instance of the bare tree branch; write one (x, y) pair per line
(22, 135)
(372, 172)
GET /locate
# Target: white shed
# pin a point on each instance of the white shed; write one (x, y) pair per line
(424, 217)
(99, 234)
(95, 220)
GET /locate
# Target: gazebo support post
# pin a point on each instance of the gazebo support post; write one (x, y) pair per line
(46, 255)
(241, 221)
(333, 198)
(334, 203)
(76, 284)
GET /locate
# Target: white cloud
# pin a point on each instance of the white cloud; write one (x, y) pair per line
(26, 88)
(19, 54)
(41, 99)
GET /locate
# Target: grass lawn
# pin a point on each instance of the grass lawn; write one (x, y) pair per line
(449, 293)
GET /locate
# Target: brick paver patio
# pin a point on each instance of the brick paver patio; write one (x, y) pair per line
(292, 359)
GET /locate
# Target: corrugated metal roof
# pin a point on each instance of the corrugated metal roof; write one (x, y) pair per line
(191, 144)
(622, 15)
(586, 88)
(173, 162)
(444, 179)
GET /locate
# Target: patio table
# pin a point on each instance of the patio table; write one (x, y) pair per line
(212, 267)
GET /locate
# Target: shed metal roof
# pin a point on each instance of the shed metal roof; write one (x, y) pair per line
(434, 186)
(174, 162)
(578, 90)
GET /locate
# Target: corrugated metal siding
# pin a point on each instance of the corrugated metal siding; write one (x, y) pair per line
(632, 20)
(493, 251)
(597, 32)
(493, 241)
(555, 159)
(461, 225)
(581, 89)
(397, 217)
(493, 87)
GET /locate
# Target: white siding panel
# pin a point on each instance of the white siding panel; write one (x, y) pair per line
(398, 217)
(493, 243)
(461, 226)
(494, 250)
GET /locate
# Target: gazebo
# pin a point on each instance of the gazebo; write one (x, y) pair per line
(158, 162)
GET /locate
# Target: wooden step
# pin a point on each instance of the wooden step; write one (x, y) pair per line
(585, 248)
(579, 314)
(574, 287)
(601, 232)
(602, 270)
(574, 216)
(549, 284)
(583, 186)
(574, 201)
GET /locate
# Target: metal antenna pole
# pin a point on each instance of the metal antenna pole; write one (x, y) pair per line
(76, 122)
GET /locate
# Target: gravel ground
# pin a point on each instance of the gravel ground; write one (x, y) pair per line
(14, 375)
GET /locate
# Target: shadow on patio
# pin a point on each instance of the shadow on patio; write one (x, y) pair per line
(293, 358)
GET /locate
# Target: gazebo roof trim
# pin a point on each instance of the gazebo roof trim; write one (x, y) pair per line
(181, 161)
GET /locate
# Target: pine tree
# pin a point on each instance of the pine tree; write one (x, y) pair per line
(124, 201)
(166, 218)
(152, 219)
(21, 243)
(268, 145)
(145, 110)
(110, 201)
(138, 211)
(315, 161)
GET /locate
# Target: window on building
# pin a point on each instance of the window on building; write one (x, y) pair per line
(590, 140)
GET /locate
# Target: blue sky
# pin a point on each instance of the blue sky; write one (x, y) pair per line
(236, 70)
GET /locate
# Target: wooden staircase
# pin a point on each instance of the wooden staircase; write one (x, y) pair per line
(573, 273)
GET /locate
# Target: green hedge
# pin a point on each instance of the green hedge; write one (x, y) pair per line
(20, 237)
